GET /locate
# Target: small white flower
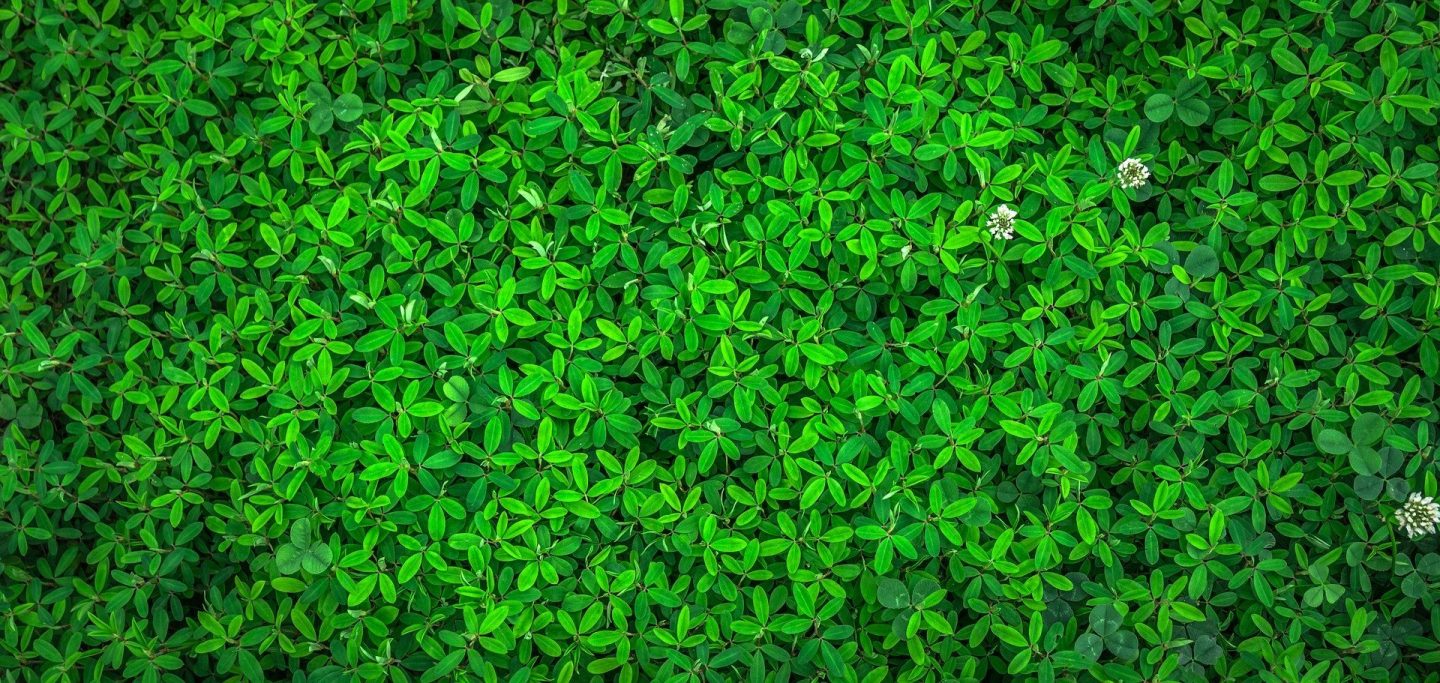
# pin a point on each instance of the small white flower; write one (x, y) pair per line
(1132, 174)
(1418, 516)
(1002, 223)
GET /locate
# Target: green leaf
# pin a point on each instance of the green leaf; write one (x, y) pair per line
(1089, 646)
(316, 558)
(321, 120)
(289, 558)
(457, 389)
(1368, 429)
(300, 533)
(1105, 620)
(892, 594)
(1333, 441)
(1192, 112)
(512, 74)
(1159, 107)
(1202, 262)
(348, 107)
(1124, 645)
(1187, 612)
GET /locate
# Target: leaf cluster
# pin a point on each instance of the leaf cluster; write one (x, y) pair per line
(643, 340)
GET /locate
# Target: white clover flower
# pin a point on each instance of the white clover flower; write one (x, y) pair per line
(1002, 223)
(1418, 516)
(1132, 174)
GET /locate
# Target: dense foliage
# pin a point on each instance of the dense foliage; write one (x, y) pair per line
(645, 340)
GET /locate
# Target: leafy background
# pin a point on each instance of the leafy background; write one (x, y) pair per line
(663, 341)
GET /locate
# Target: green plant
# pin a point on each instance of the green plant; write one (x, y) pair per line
(751, 340)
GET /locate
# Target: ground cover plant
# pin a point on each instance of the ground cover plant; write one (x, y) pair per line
(638, 340)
